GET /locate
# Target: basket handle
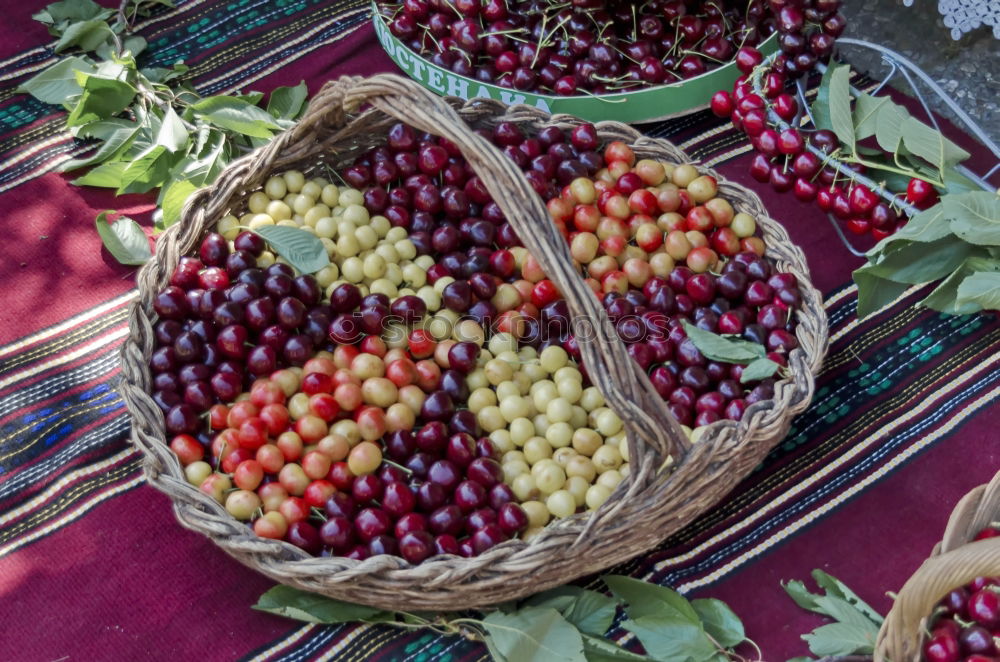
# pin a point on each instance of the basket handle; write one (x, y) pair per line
(956, 562)
(623, 383)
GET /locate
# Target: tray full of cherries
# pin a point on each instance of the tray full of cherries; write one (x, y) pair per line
(424, 394)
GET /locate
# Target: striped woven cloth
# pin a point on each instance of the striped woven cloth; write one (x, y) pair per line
(94, 567)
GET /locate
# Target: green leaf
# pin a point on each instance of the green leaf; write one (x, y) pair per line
(236, 115)
(204, 169)
(931, 145)
(645, 599)
(124, 239)
(287, 102)
(534, 634)
(956, 182)
(148, 171)
(843, 611)
(840, 107)
(303, 250)
(134, 44)
(759, 369)
(874, 292)
(67, 11)
(944, 298)
(841, 639)
(57, 84)
(866, 112)
(591, 612)
(173, 201)
(982, 289)
(802, 596)
(599, 649)
(102, 98)
(672, 640)
(821, 105)
(928, 225)
(720, 622)
(106, 175)
(839, 589)
(718, 348)
(172, 134)
(974, 216)
(87, 35)
(252, 97)
(114, 141)
(312, 608)
(922, 262)
(889, 127)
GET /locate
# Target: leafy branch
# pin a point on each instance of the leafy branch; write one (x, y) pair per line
(955, 243)
(565, 624)
(153, 131)
(851, 637)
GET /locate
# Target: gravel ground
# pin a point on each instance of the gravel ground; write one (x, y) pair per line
(968, 69)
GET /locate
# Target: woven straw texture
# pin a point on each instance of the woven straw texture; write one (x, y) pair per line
(955, 561)
(353, 114)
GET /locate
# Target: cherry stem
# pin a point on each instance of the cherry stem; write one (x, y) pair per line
(407, 471)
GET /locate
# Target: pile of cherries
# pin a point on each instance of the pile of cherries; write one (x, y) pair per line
(223, 322)
(968, 623)
(794, 159)
(648, 241)
(808, 30)
(337, 418)
(593, 46)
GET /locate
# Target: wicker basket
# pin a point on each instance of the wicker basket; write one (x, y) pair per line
(648, 506)
(954, 562)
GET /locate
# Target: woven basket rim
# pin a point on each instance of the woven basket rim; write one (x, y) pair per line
(723, 443)
(954, 562)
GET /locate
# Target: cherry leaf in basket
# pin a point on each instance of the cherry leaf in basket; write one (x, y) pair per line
(720, 622)
(313, 608)
(303, 250)
(591, 612)
(599, 649)
(124, 239)
(719, 348)
(533, 634)
(759, 369)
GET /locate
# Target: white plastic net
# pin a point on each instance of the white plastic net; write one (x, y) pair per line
(964, 16)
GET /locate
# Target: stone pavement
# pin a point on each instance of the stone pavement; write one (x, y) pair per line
(968, 69)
